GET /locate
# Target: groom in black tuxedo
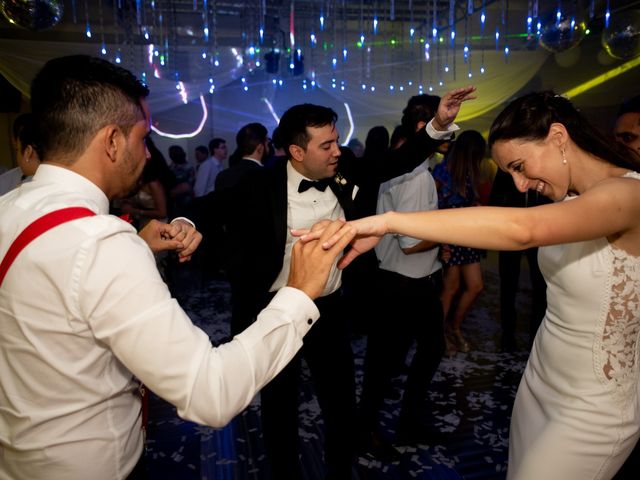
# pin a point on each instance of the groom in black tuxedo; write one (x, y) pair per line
(308, 186)
(296, 192)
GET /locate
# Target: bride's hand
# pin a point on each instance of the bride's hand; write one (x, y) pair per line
(368, 231)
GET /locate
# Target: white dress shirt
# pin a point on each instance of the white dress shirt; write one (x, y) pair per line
(206, 174)
(82, 310)
(303, 210)
(413, 192)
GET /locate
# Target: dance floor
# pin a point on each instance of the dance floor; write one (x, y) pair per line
(470, 404)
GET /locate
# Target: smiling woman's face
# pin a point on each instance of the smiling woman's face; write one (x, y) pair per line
(534, 165)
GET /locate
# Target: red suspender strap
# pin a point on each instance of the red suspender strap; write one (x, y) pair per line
(37, 228)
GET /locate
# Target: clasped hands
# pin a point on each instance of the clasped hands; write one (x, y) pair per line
(179, 236)
(362, 235)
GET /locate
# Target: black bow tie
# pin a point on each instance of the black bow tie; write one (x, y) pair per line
(307, 184)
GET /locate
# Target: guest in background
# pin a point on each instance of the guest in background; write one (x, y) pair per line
(253, 145)
(423, 135)
(181, 193)
(24, 145)
(150, 200)
(505, 194)
(356, 147)
(408, 310)
(375, 153)
(276, 151)
(627, 126)
(398, 137)
(207, 171)
(201, 153)
(457, 179)
(576, 411)
(218, 218)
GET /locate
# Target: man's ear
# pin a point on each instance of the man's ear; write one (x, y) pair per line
(296, 152)
(112, 136)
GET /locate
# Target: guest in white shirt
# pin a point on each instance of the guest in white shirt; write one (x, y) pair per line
(207, 171)
(102, 315)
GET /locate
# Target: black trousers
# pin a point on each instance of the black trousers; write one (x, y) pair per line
(327, 352)
(409, 310)
(509, 269)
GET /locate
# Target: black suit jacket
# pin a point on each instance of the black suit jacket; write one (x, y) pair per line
(229, 177)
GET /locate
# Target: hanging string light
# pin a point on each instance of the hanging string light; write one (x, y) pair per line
(377, 39)
(465, 50)
(88, 25)
(103, 45)
(505, 22)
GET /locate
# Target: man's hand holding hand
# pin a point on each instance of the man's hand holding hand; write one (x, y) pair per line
(179, 236)
(311, 263)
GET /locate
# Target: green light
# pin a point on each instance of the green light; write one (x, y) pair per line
(422, 40)
(359, 44)
(393, 41)
(587, 31)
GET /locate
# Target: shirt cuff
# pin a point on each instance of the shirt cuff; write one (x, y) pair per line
(439, 134)
(186, 220)
(299, 306)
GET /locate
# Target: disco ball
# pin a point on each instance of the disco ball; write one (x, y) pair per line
(621, 39)
(563, 33)
(32, 14)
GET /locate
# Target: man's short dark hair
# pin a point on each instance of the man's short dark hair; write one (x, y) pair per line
(215, 143)
(202, 149)
(631, 105)
(249, 137)
(292, 129)
(177, 154)
(73, 97)
(420, 108)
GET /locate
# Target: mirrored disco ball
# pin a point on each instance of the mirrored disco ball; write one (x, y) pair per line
(621, 39)
(564, 33)
(32, 14)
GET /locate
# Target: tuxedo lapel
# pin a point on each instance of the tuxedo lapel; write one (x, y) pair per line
(279, 203)
(344, 193)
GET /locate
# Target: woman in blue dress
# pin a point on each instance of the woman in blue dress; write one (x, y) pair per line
(457, 179)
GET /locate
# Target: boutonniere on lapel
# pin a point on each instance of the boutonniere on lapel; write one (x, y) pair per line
(340, 180)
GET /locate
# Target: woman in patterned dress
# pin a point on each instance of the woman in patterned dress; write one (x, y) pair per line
(457, 179)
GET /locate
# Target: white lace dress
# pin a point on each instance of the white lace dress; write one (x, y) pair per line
(576, 415)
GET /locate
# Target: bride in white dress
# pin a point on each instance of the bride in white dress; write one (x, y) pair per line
(577, 414)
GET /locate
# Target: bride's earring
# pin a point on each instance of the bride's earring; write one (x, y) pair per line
(564, 157)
